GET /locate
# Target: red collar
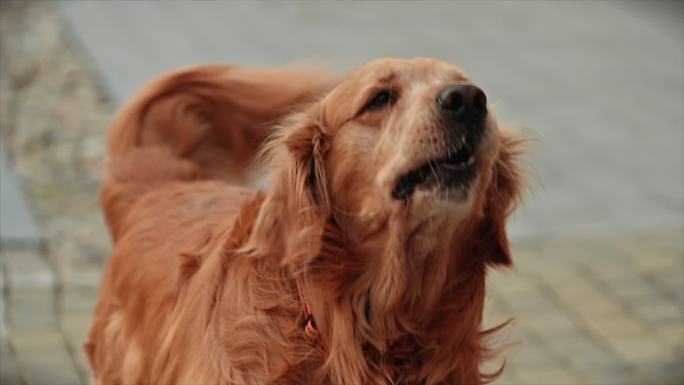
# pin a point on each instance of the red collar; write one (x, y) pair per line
(309, 325)
(311, 329)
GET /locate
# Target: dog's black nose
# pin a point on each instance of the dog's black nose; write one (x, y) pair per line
(464, 102)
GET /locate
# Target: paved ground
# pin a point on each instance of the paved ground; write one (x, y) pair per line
(599, 84)
(604, 310)
(18, 226)
(598, 291)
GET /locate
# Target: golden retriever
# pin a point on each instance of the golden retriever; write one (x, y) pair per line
(363, 263)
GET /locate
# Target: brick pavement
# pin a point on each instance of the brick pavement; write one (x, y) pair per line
(575, 320)
(605, 309)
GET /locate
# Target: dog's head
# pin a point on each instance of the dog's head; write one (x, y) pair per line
(409, 145)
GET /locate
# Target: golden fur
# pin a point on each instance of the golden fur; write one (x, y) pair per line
(208, 281)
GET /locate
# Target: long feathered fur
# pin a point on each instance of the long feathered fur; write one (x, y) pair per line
(207, 282)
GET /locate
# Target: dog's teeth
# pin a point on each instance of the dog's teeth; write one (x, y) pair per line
(471, 160)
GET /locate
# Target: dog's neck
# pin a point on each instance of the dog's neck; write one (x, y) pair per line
(403, 307)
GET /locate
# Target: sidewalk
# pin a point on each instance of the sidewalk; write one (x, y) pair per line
(603, 308)
(599, 310)
(598, 84)
(53, 118)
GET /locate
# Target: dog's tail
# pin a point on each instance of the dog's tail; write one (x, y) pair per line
(200, 123)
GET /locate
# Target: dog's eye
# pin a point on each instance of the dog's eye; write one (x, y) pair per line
(384, 98)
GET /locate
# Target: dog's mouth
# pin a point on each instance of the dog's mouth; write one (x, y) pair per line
(451, 175)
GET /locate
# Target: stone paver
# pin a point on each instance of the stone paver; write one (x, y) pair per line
(76, 312)
(600, 305)
(18, 227)
(44, 360)
(580, 319)
(9, 370)
(38, 354)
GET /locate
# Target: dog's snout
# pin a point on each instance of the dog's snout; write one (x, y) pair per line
(463, 102)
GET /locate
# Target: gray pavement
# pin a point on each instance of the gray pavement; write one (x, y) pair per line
(598, 84)
(18, 227)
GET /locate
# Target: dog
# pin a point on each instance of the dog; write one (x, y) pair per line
(363, 262)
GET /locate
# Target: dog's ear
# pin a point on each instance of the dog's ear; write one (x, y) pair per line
(290, 223)
(502, 196)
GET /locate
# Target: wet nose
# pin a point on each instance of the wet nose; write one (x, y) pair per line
(463, 102)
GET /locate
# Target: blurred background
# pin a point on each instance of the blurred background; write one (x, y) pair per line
(597, 293)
